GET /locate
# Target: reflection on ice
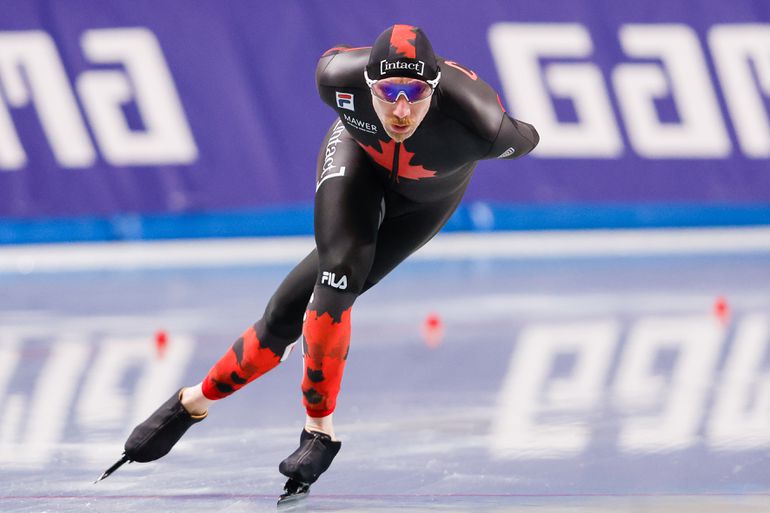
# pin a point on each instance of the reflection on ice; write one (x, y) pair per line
(575, 387)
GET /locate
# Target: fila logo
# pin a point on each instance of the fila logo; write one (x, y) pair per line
(345, 101)
(385, 66)
(331, 280)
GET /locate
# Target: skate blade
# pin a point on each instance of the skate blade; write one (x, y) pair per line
(291, 501)
(295, 493)
(113, 468)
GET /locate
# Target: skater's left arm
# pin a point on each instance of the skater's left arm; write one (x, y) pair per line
(514, 139)
(474, 103)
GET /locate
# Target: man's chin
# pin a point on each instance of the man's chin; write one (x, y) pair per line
(401, 136)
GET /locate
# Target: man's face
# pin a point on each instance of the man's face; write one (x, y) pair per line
(400, 119)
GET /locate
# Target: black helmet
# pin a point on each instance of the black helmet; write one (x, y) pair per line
(403, 51)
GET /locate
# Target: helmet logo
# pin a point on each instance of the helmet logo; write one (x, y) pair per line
(417, 66)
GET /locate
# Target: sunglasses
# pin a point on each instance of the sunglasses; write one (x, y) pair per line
(413, 91)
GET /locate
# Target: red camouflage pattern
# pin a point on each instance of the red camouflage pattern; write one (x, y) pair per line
(244, 362)
(326, 350)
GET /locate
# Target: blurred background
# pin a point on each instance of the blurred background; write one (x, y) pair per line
(594, 321)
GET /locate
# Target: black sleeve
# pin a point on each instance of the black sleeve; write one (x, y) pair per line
(474, 103)
(340, 67)
(514, 139)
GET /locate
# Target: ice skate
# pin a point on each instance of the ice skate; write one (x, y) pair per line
(154, 438)
(305, 465)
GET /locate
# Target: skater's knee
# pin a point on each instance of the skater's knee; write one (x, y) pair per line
(283, 313)
(278, 335)
(284, 320)
(346, 268)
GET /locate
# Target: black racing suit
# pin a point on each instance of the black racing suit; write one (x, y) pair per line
(377, 201)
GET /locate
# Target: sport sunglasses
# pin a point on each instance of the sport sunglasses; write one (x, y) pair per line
(414, 91)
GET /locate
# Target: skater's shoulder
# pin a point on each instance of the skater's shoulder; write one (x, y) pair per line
(342, 66)
(469, 100)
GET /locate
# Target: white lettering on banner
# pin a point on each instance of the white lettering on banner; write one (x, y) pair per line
(741, 416)
(31, 72)
(166, 138)
(666, 411)
(517, 48)
(739, 51)
(518, 430)
(700, 132)
(741, 54)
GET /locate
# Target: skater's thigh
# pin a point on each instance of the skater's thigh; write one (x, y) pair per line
(284, 311)
(347, 211)
(406, 231)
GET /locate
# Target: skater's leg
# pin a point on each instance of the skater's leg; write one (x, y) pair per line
(194, 401)
(405, 229)
(260, 349)
(347, 215)
(407, 226)
(265, 344)
(321, 425)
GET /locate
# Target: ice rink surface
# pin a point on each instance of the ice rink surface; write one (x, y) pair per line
(560, 385)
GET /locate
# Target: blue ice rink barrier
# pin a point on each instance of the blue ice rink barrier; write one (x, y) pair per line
(164, 120)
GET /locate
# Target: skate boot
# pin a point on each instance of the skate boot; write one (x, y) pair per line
(154, 438)
(305, 465)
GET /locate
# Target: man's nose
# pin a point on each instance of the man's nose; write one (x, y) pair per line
(402, 107)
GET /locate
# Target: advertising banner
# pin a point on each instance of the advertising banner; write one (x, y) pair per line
(150, 119)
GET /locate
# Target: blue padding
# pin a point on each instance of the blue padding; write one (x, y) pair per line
(486, 216)
(298, 220)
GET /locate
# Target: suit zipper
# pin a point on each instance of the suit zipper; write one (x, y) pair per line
(394, 172)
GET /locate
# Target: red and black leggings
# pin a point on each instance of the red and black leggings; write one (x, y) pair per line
(363, 229)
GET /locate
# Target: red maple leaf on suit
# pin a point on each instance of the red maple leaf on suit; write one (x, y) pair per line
(384, 157)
